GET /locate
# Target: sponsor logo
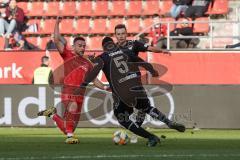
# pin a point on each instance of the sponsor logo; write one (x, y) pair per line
(22, 107)
(11, 71)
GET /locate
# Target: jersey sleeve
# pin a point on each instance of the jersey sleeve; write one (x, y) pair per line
(92, 74)
(140, 47)
(140, 62)
(66, 52)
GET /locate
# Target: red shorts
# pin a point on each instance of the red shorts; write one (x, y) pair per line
(67, 98)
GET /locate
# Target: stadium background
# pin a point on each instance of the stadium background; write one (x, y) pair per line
(205, 80)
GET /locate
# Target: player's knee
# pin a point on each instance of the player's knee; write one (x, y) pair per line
(142, 104)
(122, 119)
(72, 107)
(125, 124)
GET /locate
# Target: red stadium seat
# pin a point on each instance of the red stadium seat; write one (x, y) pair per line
(66, 26)
(69, 40)
(201, 27)
(99, 26)
(113, 22)
(219, 7)
(165, 6)
(83, 26)
(95, 43)
(118, 8)
(69, 9)
(33, 40)
(101, 8)
(133, 25)
(52, 9)
(147, 22)
(24, 6)
(135, 8)
(35, 9)
(85, 8)
(48, 26)
(43, 42)
(151, 7)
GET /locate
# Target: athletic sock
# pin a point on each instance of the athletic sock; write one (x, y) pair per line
(140, 117)
(60, 122)
(155, 113)
(139, 130)
(69, 122)
(69, 135)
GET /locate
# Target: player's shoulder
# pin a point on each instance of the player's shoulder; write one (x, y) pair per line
(130, 42)
(102, 57)
(67, 53)
(135, 43)
(67, 50)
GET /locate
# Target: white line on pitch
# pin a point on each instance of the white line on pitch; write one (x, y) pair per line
(124, 156)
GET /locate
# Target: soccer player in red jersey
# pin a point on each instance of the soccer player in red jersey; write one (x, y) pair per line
(76, 67)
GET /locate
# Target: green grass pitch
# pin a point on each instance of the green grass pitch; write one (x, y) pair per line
(48, 143)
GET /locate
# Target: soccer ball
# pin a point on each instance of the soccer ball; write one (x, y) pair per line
(120, 137)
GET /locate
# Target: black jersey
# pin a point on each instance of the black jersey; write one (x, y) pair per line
(120, 68)
(134, 47)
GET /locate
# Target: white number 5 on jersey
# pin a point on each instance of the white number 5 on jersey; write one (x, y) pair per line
(121, 64)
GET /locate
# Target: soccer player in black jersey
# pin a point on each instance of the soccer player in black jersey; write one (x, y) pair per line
(120, 68)
(134, 47)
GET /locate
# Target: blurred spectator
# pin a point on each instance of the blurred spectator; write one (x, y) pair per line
(185, 29)
(14, 42)
(50, 44)
(12, 20)
(179, 6)
(18, 42)
(43, 74)
(198, 8)
(4, 3)
(158, 31)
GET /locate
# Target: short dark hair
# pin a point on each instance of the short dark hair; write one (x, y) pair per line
(44, 59)
(156, 15)
(106, 40)
(78, 39)
(108, 44)
(120, 26)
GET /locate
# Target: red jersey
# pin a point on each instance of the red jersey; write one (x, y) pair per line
(75, 69)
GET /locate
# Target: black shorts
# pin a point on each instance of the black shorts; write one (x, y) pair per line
(122, 108)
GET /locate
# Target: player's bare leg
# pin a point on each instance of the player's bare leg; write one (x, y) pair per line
(67, 124)
(72, 118)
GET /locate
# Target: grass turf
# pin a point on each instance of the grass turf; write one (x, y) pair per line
(48, 143)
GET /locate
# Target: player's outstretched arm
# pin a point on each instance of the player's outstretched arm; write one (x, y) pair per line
(143, 47)
(155, 49)
(57, 37)
(140, 62)
(92, 74)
